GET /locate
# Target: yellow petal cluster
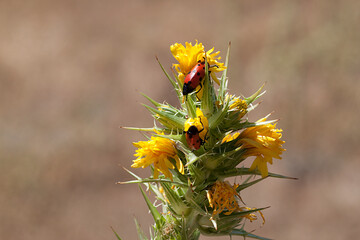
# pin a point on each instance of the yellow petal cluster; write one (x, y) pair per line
(222, 196)
(264, 143)
(157, 151)
(238, 105)
(200, 122)
(189, 55)
(230, 137)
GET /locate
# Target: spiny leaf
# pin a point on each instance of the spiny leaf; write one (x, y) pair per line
(141, 234)
(224, 81)
(169, 120)
(190, 106)
(246, 171)
(117, 236)
(241, 232)
(154, 212)
(156, 104)
(218, 117)
(143, 129)
(173, 83)
(149, 180)
(207, 104)
(255, 95)
(236, 215)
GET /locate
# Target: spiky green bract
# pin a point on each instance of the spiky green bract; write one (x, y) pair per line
(224, 80)
(117, 236)
(187, 210)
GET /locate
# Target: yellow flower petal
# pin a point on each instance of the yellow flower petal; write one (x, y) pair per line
(263, 142)
(157, 151)
(200, 122)
(189, 56)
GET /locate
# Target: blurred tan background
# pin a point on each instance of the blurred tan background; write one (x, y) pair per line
(71, 73)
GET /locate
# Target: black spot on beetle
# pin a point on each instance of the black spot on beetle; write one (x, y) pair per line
(198, 73)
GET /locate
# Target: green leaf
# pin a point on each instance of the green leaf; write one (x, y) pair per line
(154, 212)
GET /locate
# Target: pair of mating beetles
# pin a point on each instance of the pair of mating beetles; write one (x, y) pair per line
(192, 80)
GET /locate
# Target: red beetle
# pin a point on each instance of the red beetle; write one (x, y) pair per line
(194, 78)
(193, 138)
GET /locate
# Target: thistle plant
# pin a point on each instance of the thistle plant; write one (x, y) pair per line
(196, 150)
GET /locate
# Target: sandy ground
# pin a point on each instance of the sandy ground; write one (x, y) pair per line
(71, 73)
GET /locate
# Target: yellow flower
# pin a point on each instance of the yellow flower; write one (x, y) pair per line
(200, 122)
(157, 151)
(252, 216)
(238, 105)
(189, 55)
(230, 137)
(264, 143)
(223, 196)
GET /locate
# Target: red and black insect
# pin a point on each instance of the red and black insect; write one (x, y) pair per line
(193, 138)
(194, 78)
